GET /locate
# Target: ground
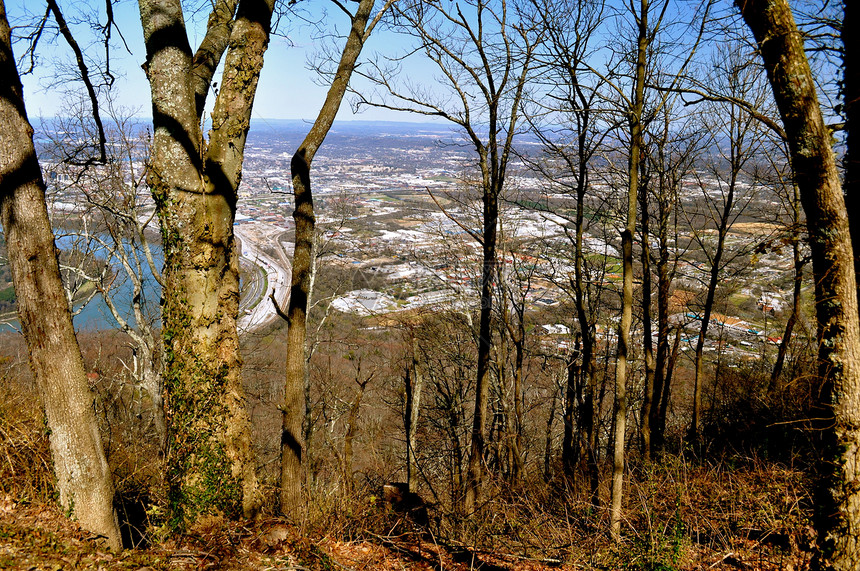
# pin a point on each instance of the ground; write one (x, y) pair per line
(37, 537)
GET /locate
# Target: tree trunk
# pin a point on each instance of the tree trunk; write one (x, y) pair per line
(636, 144)
(547, 452)
(84, 480)
(795, 300)
(414, 384)
(499, 458)
(569, 455)
(851, 108)
(487, 68)
(620, 412)
(210, 464)
(518, 467)
(293, 411)
(647, 332)
(817, 178)
(586, 425)
(351, 430)
(667, 383)
(669, 176)
(513, 321)
(694, 431)
(664, 285)
(475, 472)
(146, 350)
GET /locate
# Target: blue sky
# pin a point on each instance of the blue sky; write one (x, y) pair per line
(286, 90)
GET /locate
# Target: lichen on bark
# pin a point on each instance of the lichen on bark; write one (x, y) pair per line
(194, 182)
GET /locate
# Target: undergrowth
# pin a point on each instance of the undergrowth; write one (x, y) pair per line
(25, 455)
(679, 514)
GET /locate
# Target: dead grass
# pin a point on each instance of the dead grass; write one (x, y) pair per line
(680, 516)
(748, 519)
(25, 456)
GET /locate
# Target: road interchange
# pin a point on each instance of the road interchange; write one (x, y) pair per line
(268, 275)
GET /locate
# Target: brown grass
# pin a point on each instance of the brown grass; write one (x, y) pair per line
(25, 455)
(680, 515)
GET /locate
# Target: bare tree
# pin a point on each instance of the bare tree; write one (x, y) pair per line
(794, 235)
(516, 285)
(647, 20)
(569, 147)
(673, 146)
(483, 56)
(815, 173)
(634, 111)
(737, 136)
(303, 255)
(447, 356)
(83, 478)
(413, 387)
(112, 225)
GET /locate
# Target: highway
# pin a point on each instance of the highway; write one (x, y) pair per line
(256, 309)
(254, 284)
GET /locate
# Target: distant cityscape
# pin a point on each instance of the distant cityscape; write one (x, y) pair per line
(394, 201)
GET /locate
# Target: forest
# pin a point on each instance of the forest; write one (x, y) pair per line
(667, 379)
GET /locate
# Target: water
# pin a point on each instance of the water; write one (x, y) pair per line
(95, 316)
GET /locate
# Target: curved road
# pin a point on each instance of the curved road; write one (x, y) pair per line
(253, 284)
(256, 309)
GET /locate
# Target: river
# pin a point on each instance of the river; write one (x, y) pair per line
(96, 315)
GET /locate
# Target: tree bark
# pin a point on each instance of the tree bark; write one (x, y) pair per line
(292, 412)
(414, 385)
(210, 464)
(84, 480)
(851, 108)
(636, 144)
(838, 488)
(647, 329)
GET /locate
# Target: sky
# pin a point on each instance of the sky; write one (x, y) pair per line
(286, 90)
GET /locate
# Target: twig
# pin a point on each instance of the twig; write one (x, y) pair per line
(453, 219)
(278, 308)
